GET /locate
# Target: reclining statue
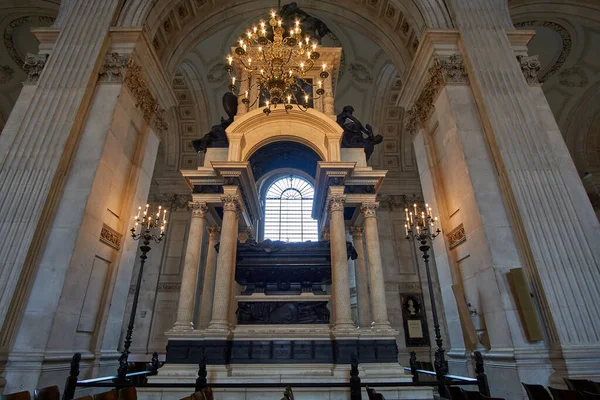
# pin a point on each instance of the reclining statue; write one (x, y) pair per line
(217, 136)
(355, 134)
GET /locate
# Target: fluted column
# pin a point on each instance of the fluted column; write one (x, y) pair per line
(225, 262)
(339, 264)
(210, 271)
(189, 279)
(378, 302)
(360, 270)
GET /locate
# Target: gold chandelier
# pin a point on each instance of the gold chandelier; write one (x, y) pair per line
(276, 64)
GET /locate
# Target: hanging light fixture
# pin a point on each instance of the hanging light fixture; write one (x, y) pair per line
(276, 61)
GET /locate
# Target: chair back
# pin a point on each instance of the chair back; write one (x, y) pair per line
(204, 394)
(25, 395)
(110, 395)
(581, 385)
(128, 393)
(454, 393)
(47, 393)
(536, 392)
(85, 398)
(560, 394)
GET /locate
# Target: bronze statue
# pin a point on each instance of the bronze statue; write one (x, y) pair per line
(217, 136)
(310, 25)
(354, 132)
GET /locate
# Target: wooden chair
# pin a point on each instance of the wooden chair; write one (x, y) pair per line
(47, 393)
(591, 396)
(582, 385)
(110, 395)
(85, 398)
(204, 394)
(288, 394)
(128, 393)
(470, 394)
(560, 394)
(25, 395)
(536, 392)
(373, 395)
(455, 393)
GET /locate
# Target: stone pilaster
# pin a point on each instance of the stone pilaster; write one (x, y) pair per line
(209, 277)
(339, 264)
(225, 263)
(360, 269)
(378, 302)
(189, 278)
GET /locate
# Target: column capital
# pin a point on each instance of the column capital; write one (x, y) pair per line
(214, 231)
(357, 232)
(198, 209)
(336, 202)
(232, 202)
(368, 210)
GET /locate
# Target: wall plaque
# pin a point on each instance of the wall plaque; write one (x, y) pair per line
(110, 237)
(414, 321)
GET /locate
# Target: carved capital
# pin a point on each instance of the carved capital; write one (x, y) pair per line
(198, 209)
(214, 231)
(232, 202)
(368, 210)
(451, 68)
(336, 203)
(530, 66)
(34, 65)
(113, 68)
(357, 232)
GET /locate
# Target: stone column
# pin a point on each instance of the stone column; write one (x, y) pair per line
(210, 271)
(360, 269)
(378, 302)
(225, 262)
(189, 278)
(339, 264)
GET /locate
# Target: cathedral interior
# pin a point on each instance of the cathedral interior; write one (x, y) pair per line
(345, 199)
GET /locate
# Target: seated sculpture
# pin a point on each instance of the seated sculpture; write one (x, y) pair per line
(217, 137)
(355, 134)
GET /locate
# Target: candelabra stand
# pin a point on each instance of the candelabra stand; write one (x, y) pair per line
(420, 226)
(148, 227)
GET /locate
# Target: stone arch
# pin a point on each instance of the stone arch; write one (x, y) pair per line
(312, 128)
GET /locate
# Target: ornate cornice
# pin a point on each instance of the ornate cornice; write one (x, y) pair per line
(135, 81)
(445, 70)
(530, 66)
(198, 209)
(369, 210)
(336, 203)
(34, 65)
(113, 68)
(6, 73)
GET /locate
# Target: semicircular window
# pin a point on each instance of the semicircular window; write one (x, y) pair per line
(288, 209)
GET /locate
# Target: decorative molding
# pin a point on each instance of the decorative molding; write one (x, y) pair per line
(409, 287)
(217, 73)
(399, 202)
(530, 66)
(33, 66)
(352, 291)
(445, 70)
(369, 210)
(336, 203)
(110, 237)
(168, 287)
(6, 73)
(214, 231)
(113, 68)
(456, 236)
(573, 77)
(153, 114)
(357, 232)
(360, 73)
(9, 43)
(566, 45)
(172, 201)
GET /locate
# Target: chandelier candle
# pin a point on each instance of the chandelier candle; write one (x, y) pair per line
(276, 64)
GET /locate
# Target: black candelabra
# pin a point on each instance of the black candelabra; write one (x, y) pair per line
(149, 226)
(421, 227)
